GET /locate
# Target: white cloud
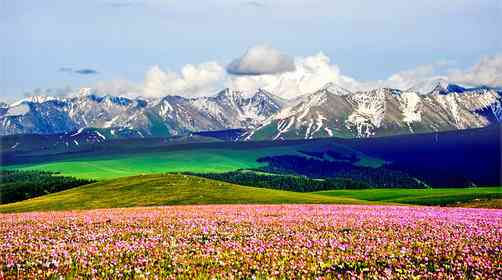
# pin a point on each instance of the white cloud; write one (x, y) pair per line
(119, 88)
(261, 60)
(194, 80)
(408, 79)
(309, 75)
(488, 71)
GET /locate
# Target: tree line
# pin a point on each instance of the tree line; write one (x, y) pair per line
(18, 185)
(283, 182)
(382, 177)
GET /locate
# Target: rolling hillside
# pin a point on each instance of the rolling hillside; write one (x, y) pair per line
(490, 197)
(446, 159)
(171, 189)
(130, 164)
(201, 157)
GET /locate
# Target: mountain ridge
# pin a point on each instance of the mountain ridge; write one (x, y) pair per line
(381, 112)
(330, 111)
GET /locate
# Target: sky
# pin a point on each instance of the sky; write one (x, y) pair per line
(194, 47)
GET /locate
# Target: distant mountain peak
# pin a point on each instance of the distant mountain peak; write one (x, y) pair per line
(335, 89)
(86, 92)
(264, 92)
(231, 93)
(428, 86)
(267, 96)
(332, 110)
(444, 87)
(34, 99)
(383, 111)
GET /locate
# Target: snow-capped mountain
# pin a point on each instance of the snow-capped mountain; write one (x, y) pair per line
(34, 99)
(171, 115)
(330, 111)
(333, 111)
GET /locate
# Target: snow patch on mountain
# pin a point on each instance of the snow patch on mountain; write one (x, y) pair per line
(410, 107)
(429, 85)
(329, 131)
(34, 99)
(78, 132)
(111, 123)
(496, 108)
(368, 114)
(101, 135)
(18, 110)
(319, 123)
(304, 106)
(335, 89)
(283, 127)
(332, 110)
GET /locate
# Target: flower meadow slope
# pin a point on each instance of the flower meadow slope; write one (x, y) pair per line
(278, 242)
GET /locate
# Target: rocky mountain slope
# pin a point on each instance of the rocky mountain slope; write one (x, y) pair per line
(168, 116)
(331, 111)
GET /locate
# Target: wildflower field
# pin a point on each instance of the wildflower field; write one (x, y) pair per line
(254, 242)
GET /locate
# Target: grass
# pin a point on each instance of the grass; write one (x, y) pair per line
(177, 189)
(482, 203)
(189, 159)
(168, 189)
(115, 166)
(438, 196)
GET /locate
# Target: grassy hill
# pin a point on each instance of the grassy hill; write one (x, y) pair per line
(176, 189)
(450, 196)
(168, 189)
(123, 165)
(453, 158)
(199, 158)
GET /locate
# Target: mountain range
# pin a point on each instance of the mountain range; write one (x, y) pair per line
(330, 111)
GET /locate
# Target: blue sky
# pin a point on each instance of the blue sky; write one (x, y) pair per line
(51, 44)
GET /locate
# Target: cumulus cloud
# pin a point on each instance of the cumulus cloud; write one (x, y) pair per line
(56, 92)
(310, 74)
(488, 71)
(307, 75)
(421, 77)
(194, 80)
(406, 79)
(261, 60)
(119, 87)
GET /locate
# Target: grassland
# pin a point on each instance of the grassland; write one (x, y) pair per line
(449, 196)
(176, 189)
(188, 159)
(115, 166)
(482, 203)
(169, 189)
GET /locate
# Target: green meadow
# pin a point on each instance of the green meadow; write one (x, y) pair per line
(115, 166)
(177, 189)
(436, 196)
(167, 189)
(130, 179)
(197, 160)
